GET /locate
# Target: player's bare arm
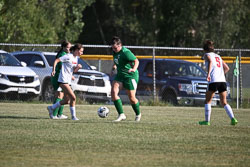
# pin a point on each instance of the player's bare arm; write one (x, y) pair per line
(79, 66)
(209, 67)
(136, 64)
(225, 67)
(54, 66)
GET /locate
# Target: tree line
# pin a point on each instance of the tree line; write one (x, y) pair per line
(183, 23)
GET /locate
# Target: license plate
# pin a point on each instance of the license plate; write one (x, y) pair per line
(213, 103)
(22, 90)
(92, 90)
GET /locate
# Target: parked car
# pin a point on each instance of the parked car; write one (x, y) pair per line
(89, 84)
(16, 80)
(177, 82)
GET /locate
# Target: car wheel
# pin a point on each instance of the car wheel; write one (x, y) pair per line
(48, 92)
(170, 98)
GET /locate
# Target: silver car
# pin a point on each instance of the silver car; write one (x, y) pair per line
(16, 80)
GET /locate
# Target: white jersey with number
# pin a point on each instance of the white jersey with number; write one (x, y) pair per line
(68, 64)
(217, 72)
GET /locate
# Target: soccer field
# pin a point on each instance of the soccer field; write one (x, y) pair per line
(166, 136)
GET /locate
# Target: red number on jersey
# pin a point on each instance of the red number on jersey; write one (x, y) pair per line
(218, 61)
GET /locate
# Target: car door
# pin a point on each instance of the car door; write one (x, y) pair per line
(145, 85)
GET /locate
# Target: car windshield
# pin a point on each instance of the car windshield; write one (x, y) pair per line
(84, 64)
(8, 60)
(51, 59)
(180, 69)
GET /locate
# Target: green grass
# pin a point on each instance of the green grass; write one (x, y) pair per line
(166, 136)
(245, 97)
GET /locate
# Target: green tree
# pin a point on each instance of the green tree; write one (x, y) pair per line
(73, 24)
(41, 21)
(133, 20)
(243, 40)
(185, 23)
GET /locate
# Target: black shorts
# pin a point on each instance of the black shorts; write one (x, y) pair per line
(220, 86)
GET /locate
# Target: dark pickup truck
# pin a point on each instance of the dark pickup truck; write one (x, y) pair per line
(176, 82)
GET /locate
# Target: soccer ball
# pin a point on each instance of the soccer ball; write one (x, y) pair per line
(103, 112)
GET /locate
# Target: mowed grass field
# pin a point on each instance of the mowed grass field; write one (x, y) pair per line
(166, 136)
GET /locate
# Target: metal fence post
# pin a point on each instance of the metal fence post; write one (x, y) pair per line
(99, 65)
(240, 79)
(237, 86)
(154, 81)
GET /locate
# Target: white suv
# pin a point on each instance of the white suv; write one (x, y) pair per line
(16, 80)
(89, 84)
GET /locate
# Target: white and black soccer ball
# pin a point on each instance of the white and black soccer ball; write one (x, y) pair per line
(103, 112)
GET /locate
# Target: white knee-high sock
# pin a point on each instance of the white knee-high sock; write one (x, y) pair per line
(56, 105)
(229, 111)
(207, 112)
(73, 111)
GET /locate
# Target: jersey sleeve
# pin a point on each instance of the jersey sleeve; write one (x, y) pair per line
(60, 54)
(65, 58)
(206, 54)
(129, 55)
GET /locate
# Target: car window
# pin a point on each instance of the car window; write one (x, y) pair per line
(34, 59)
(30, 59)
(50, 59)
(195, 71)
(8, 60)
(169, 68)
(148, 71)
(25, 58)
(180, 69)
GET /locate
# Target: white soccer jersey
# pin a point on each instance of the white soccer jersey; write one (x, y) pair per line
(68, 64)
(217, 72)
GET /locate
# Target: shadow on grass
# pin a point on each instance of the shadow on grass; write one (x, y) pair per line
(69, 121)
(20, 117)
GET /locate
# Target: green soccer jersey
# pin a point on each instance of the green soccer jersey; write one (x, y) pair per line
(124, 60)
(59, 65)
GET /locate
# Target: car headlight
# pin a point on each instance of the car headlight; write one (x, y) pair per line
(186, 88)
(4, 76)
(36, 77)
(105, 77)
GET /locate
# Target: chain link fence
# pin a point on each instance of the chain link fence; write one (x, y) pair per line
(153, 86)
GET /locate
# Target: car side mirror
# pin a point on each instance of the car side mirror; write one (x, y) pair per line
(93, 67)
(23, 64)
(38, 64)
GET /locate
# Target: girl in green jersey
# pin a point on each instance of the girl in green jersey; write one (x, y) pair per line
(127, 76)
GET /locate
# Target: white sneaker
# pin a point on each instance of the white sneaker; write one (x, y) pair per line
(50, 110)
(62, 117)
(120, 117)
(138, 117)
(75, 119)
(54, 117)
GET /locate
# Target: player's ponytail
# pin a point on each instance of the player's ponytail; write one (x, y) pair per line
(63, 45)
